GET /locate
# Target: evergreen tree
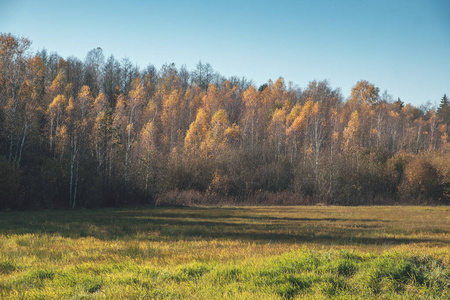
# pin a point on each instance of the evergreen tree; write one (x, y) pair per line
(400, 103)
(444, 110)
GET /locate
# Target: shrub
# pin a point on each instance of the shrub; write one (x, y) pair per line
(420, 181)
(442, 165)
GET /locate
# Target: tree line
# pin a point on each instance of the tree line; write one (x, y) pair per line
(102, 132)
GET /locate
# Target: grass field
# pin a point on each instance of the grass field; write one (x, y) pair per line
(308, 252)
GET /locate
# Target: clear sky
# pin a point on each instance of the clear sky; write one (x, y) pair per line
(400, 46)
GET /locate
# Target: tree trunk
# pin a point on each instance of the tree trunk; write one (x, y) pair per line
(71, 181)
(72, 189)
(76, 187)
(23, 140)
(56, 134)
(13, 115)
(127, 155)
(51, 135)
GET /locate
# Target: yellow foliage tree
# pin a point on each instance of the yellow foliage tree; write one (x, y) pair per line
(216, 139)
(365, 92)
(250, 118)
(212, 101)
(350, 143)
(293, 131)
(170, 117)
(197, 132)
(277, 129)
(233, 134)
(55, 113)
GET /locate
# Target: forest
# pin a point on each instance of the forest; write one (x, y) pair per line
(101, 132)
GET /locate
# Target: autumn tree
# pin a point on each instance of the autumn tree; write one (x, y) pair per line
(171, 118)
(128, 116)
(317, 136)
(58, 86)
(31, 96)
(218, 98)
(251, 116)
(350, 143)
(194, 100)
(13, 67)
(365, 92)
(55, 113)
(147, 145)
(102, 133)
(277, 130)
(293, 127)
(215, 140)
(196, 135)
(78, 125)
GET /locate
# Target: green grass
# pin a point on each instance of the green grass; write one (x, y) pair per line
(313, 252)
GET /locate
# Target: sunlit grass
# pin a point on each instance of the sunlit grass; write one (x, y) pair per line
(230, 252)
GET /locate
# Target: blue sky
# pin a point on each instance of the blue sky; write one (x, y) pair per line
(400, 46)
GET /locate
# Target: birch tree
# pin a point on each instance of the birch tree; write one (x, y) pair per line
(13, 69)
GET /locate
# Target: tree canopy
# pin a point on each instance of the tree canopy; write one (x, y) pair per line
(101, 133)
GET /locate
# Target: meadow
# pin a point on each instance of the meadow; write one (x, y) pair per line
(302, 252)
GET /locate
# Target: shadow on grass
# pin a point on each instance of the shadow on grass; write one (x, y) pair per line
(172, 224)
